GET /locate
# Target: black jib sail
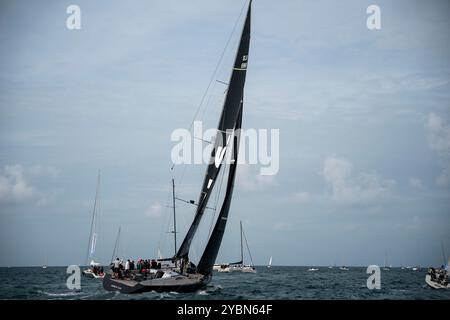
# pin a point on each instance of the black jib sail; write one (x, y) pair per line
(230, 120)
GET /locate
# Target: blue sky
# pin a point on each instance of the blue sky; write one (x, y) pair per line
(363, 116)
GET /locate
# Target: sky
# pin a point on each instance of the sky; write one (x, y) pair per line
(363, 116)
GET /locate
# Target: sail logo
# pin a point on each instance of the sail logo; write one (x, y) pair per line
(244, 62)
(221, 153)
(255, 147)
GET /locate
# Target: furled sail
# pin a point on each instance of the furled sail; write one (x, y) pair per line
(231, 115)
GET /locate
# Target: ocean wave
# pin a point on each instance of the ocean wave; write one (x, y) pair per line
(61, 294)
(203, 293)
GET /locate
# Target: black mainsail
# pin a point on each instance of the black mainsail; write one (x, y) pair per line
(230, 120)
(185, 278)
(205, 266)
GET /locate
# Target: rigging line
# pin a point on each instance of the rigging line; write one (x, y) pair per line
(93, 218)
(166, 222)
(216, 69)
(218, 64)
(248, 249)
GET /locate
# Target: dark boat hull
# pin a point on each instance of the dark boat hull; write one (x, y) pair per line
(179, 284)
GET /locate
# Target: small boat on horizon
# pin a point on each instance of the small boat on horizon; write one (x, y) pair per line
(386, 268)
(240, 266)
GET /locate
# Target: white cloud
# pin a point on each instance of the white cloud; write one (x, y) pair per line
(41, 170)
(299, 197)
(154, 210)
(348, 188)
(14, 188)
(415, 183)
(282, 226)
(439, 141)
(253, 182)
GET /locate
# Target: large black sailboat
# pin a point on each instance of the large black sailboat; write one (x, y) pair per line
(184, 276)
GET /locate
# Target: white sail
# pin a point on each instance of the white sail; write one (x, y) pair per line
(270, 262)
(94, 224)
(159, 254)
(93, 243)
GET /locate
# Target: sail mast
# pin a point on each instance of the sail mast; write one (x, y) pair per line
(92, 236)
(242, 246)
(227, 123)
(443, 252)
(174, 218)
(116, 245)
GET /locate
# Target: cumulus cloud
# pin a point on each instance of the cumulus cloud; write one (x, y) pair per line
(415, 182)
(17, 187)
(439, 141)
(253, 182)
(14, 188)
(354, 189)
(41, 170)
(154, 210)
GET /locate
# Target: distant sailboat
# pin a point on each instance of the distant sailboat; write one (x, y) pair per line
(439, 278)
(116, 245)
(270, 263)
(93, 271)
(386, 268)
(240, 266)
(343, 267)
(185, 276)
(44, 266)
(312, 269)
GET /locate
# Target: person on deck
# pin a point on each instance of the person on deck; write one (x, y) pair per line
(127, 268)
(115, 266)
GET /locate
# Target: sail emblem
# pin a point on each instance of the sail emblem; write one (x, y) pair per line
(221, 153)
(244, 62)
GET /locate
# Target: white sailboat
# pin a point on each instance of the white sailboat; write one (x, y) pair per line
(343, 267)
(94, 270)
(44, 266)
(240, 266)
(386, 268)
(439, 278)
(270, 263)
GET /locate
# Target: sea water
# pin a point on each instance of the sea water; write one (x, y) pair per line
(275, 283)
